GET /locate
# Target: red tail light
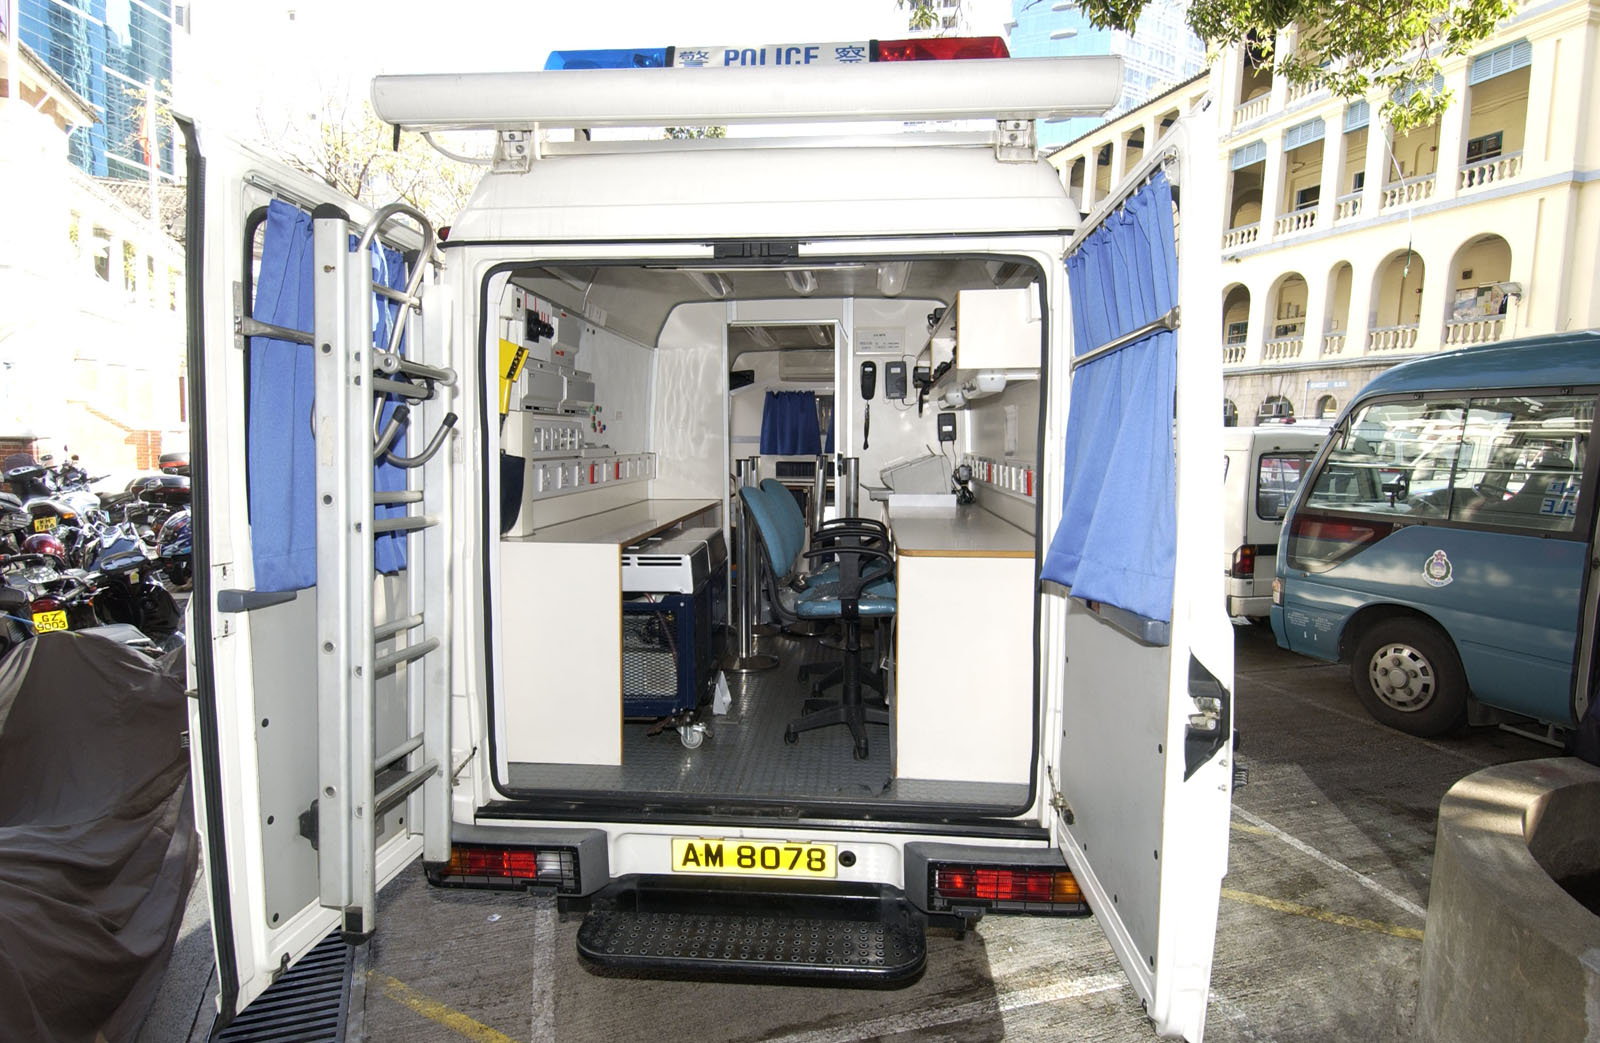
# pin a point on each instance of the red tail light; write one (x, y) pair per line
(473, 865)
(1005, 888)
(946, 48)
(1244, 562)
(46, 605)
(1317, 544)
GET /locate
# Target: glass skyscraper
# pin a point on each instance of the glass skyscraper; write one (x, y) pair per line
(1159, 53)
(109, 51)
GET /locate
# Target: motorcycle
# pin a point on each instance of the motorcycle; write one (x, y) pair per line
(173, 547)
(15, 523)
(15, 624)
(70, 512)
(57, 597)
(147, 502)
(126, 591)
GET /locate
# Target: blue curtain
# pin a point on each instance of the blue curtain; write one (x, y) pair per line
(789, 424)
(280, 451)
(1117, 542)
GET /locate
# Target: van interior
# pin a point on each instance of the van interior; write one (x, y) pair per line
(658, 415)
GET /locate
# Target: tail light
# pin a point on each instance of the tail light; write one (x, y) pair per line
(1244, 562)
(1317, 544)
(47, 605)
(474, 865)
(1017, 889)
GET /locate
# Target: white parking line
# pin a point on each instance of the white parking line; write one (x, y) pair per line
(1367, 721)
(544, 969)
(1333, 863)
(923, 1020)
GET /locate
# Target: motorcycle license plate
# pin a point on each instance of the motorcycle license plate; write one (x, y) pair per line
(44, 524)
(133, 575)
(752, 857)
(45, 622)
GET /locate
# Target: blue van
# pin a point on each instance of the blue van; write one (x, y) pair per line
(1444, 543)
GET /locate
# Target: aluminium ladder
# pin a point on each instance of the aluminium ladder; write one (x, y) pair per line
(369, 798)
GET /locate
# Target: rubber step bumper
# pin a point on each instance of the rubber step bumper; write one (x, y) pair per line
(800, 932)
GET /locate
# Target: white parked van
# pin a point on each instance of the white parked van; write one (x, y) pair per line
(448, 656)
(1262, 469)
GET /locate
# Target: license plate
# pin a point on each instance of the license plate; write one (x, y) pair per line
(752, 857)
(45, 622)
(133, 575)
(44, 524)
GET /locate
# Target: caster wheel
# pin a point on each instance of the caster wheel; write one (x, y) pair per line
(790, 737)
(691, 737)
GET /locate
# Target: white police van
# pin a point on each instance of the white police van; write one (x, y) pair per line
(433, 470)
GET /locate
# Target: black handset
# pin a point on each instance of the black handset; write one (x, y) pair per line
(869, 380)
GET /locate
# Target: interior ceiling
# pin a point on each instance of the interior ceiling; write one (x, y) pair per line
(635, 300)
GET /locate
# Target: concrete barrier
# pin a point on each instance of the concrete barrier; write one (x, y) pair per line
(1507, 954)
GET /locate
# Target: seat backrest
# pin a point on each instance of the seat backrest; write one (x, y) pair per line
(767, 530)
(788, 513)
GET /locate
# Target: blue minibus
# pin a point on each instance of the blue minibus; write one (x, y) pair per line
(1443, 545)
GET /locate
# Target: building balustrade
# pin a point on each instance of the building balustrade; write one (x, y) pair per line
(1332, 344)
(1296, 221)
(1488, 171)
(1232, 353)
(1304, 90)
(1244, 235)
(1346, 207)
(1411, 190)
(1253, 109)
(1392, 338)
(1480, 329)
(1280, 349)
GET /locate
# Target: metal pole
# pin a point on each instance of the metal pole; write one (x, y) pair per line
(851, 480)
(749, 591)
(819, 494)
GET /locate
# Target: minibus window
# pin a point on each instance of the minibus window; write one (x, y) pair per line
(1393, 458)
(1522, 461)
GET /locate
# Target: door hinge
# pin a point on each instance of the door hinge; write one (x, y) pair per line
(1062, 808)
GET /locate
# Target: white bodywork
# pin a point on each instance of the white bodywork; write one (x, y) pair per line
(1242, 523)
(1107, 769)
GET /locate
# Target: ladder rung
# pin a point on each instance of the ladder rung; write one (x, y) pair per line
(403, 496)
(398, 752)
(403, 388)
(408, 523)
(383, 664)
(384, 631)
(393, 795)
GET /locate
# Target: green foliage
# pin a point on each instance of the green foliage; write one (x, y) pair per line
(922, 13)
(1357, 47)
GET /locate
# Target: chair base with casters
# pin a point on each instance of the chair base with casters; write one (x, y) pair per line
(850, 710)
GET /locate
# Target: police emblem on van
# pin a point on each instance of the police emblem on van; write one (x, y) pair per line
(1437, 571)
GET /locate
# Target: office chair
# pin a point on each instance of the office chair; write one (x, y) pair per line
(849, 596)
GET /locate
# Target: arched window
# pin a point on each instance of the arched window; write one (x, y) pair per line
(1230, 413)
(1327, 407)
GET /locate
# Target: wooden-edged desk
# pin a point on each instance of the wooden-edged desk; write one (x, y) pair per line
(964, 646)
(561, 630)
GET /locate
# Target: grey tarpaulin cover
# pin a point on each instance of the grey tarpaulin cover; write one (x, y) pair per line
(97, 841)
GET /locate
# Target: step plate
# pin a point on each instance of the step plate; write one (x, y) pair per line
(656, 926)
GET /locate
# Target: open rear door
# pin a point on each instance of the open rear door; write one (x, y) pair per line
(318, 638)
(1136, 649)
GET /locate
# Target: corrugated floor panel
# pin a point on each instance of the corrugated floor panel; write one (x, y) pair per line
(307, 1005)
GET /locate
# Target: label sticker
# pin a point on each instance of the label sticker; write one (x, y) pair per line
(1437, 570)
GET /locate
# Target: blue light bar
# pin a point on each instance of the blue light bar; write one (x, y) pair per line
(620, 58)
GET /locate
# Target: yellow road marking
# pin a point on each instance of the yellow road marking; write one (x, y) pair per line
(1245, 827)
(440, 1014)
(1312, 912)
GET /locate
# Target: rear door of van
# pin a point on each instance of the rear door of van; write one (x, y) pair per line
(275, 722)
(1136, 650)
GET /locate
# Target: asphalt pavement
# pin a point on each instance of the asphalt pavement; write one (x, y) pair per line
(1319, 936)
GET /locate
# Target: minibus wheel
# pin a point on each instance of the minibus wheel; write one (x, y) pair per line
(1406, 673)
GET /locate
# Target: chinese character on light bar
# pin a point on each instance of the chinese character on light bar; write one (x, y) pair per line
(850, 54)
(693, 59)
